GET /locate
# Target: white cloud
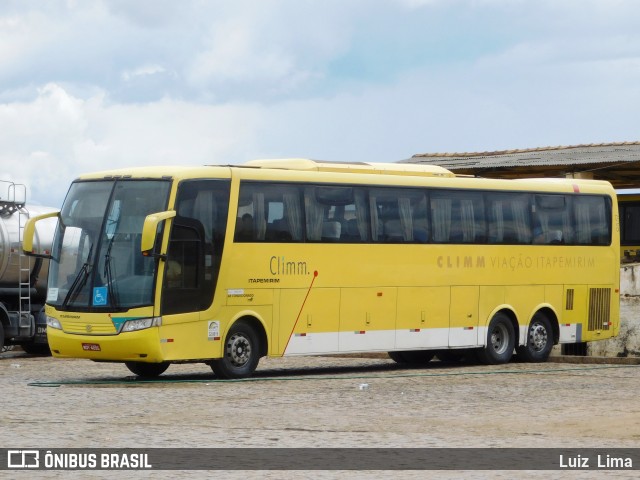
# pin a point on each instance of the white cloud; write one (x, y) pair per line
(49, 141)
(94, 85)
(143, 71)
(20, 36)
(235, 54)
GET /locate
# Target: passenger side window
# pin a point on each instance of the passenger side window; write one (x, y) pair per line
(269, 213)
(592, 220)
(509, 216)
(552, 223)
(399, 215)
(458, 217)
(336, 213)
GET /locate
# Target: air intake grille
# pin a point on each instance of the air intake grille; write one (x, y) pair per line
(569, 305)
(599, 307)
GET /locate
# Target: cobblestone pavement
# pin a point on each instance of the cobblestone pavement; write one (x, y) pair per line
(319, 402)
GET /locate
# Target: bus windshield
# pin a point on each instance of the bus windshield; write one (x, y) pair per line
(96, 259)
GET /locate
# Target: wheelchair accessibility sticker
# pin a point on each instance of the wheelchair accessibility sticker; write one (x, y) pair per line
(99, 296)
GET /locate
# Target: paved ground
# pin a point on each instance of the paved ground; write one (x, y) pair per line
(320, 402)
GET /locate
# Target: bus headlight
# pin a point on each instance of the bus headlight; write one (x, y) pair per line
(141, 324)
(53, 323)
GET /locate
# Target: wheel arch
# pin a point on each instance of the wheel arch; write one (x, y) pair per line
(551, 315)
(510, 313)
(257, 324)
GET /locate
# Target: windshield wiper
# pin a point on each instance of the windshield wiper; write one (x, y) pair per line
(79, 281)
(111, 290)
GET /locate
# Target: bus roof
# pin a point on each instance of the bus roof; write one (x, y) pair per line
(352, 167)
(297, 168)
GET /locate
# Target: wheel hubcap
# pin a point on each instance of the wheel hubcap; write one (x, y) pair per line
(499, 339)
(537, 337)
(239, 350)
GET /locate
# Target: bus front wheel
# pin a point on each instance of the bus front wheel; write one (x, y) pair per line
(147, 369)
(241, 353)
(500, 341)
(539, 340)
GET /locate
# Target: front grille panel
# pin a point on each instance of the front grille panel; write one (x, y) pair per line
(85, 328)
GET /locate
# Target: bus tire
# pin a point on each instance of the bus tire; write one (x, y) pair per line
(539, 340)
(148, 370)
(412, 356)
(241, 353)
(1, 337)
(500, 341)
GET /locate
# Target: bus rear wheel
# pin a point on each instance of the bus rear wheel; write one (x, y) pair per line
(500, 341)
(148, 370)
(539, 340)
(241, 353)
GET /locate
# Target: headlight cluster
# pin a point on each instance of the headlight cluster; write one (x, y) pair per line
(53, 323)
(141, 324)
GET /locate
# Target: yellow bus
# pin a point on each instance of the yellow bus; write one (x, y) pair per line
(629, 205)
(226, 264)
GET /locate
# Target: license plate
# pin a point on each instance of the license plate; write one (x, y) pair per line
(41, 330)
(93, 347)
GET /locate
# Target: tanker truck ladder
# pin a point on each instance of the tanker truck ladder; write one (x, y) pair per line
(13, 197)
(24, 285)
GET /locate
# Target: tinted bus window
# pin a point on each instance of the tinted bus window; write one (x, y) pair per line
(458, 216)
(592, 220)
(552, 222)
(630, 220)
(269, 213)
(336, 213)
(398, 215)
(509, 218)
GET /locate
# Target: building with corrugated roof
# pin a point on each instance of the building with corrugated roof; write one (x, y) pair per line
(618, 163)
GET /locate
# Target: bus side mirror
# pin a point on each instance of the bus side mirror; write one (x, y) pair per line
(150, 228)
(30, 231)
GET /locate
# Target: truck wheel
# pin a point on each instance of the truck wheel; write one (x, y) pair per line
(36, 349)
(1, 338)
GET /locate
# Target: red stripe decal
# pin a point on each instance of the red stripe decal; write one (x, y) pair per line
(315, 274)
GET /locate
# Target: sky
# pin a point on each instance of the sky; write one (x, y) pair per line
(89, 85)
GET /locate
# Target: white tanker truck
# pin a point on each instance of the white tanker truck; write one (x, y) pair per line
(23, 280)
